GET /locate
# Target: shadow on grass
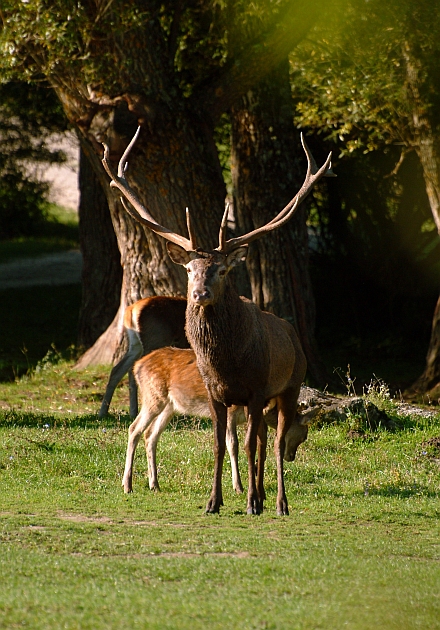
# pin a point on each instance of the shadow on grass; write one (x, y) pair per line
(15, 419)
(32, 321)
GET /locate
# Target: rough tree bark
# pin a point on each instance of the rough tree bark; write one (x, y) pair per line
(167, 184)
(268, 167)
(427, 146)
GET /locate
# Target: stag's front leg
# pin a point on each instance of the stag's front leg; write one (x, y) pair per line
(261, 460)
(255, 412)
(219, 418)
(232, 446)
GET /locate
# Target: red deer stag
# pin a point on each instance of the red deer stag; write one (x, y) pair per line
(169, 383)
(245, 356)
(151, 323)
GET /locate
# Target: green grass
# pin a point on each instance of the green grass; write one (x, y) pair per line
(359, 550)
(58, 233)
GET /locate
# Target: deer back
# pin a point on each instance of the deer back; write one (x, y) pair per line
(159, 321)
(171, 374)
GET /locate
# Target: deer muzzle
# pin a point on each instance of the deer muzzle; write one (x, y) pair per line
(201, 296)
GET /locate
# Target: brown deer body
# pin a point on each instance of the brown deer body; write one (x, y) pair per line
(151, 323)
(245, 356)
(169, 382)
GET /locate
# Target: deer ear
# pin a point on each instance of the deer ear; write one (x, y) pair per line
(237, 256)
(177, 254)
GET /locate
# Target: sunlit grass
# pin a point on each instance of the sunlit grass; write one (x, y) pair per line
(57, 234)
(360, 548)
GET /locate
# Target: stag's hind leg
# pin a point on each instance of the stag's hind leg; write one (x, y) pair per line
(287, 406)
(261, 460)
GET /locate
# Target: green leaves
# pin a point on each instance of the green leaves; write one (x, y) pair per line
(349, 77)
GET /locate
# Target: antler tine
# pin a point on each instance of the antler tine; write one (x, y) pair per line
(223, 228)
(312, 169)
(137, 210)
(312, 176)
(192, 236)
(122, 166)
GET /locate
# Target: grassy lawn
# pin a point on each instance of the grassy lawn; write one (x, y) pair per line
(359, 550)
(57, 234)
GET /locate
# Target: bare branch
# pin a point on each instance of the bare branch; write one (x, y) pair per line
(403, 155)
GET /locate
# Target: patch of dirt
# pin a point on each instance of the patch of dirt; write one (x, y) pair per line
(432, 447)
(80, 518)
(63, 178)
(406, 409)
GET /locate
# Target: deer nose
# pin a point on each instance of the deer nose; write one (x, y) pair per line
(201, 296)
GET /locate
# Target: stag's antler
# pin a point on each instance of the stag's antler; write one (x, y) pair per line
(138, 211)
(312, 176)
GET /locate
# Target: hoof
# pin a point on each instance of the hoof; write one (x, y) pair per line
(254, 508)
(213, 506)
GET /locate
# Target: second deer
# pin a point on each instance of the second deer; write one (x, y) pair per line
(151, 323)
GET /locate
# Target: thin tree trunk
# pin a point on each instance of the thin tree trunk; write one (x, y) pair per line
(267, 170)
(427, 146)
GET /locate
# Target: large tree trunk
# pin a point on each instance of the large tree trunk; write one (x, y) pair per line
(268, 168)
(102, 271)
(427, 146)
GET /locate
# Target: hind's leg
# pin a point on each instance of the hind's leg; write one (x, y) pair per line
(145, 417)
(151, 436)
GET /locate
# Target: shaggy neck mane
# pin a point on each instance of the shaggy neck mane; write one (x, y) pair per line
(226, 320)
